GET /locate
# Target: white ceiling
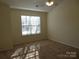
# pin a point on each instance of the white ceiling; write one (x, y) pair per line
(31, 4)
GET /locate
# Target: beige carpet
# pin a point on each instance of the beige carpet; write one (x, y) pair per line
(45, 49)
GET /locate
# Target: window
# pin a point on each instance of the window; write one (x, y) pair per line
(30, 25)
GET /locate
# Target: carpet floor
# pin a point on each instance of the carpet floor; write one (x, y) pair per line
(45, 49)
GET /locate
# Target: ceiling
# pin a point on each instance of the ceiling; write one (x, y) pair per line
(35, 5)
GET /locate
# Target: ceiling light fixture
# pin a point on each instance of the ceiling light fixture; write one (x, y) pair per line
(49, 3)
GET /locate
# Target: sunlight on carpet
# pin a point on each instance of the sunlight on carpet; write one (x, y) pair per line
(28, 52)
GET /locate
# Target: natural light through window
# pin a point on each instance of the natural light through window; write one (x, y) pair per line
(30, 25)
(28, 52)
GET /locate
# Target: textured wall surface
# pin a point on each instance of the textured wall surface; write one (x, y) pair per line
(5, 27)
(63, 23)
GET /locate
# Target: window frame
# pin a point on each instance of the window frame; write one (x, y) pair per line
(29, 25)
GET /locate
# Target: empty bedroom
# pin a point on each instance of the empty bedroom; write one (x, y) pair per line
(39, 29)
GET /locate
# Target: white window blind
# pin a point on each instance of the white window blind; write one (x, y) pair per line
(30, 25)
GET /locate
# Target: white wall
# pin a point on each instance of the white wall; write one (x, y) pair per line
(5, 27)
(63, 23)
(16, 26)
(10, 27)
